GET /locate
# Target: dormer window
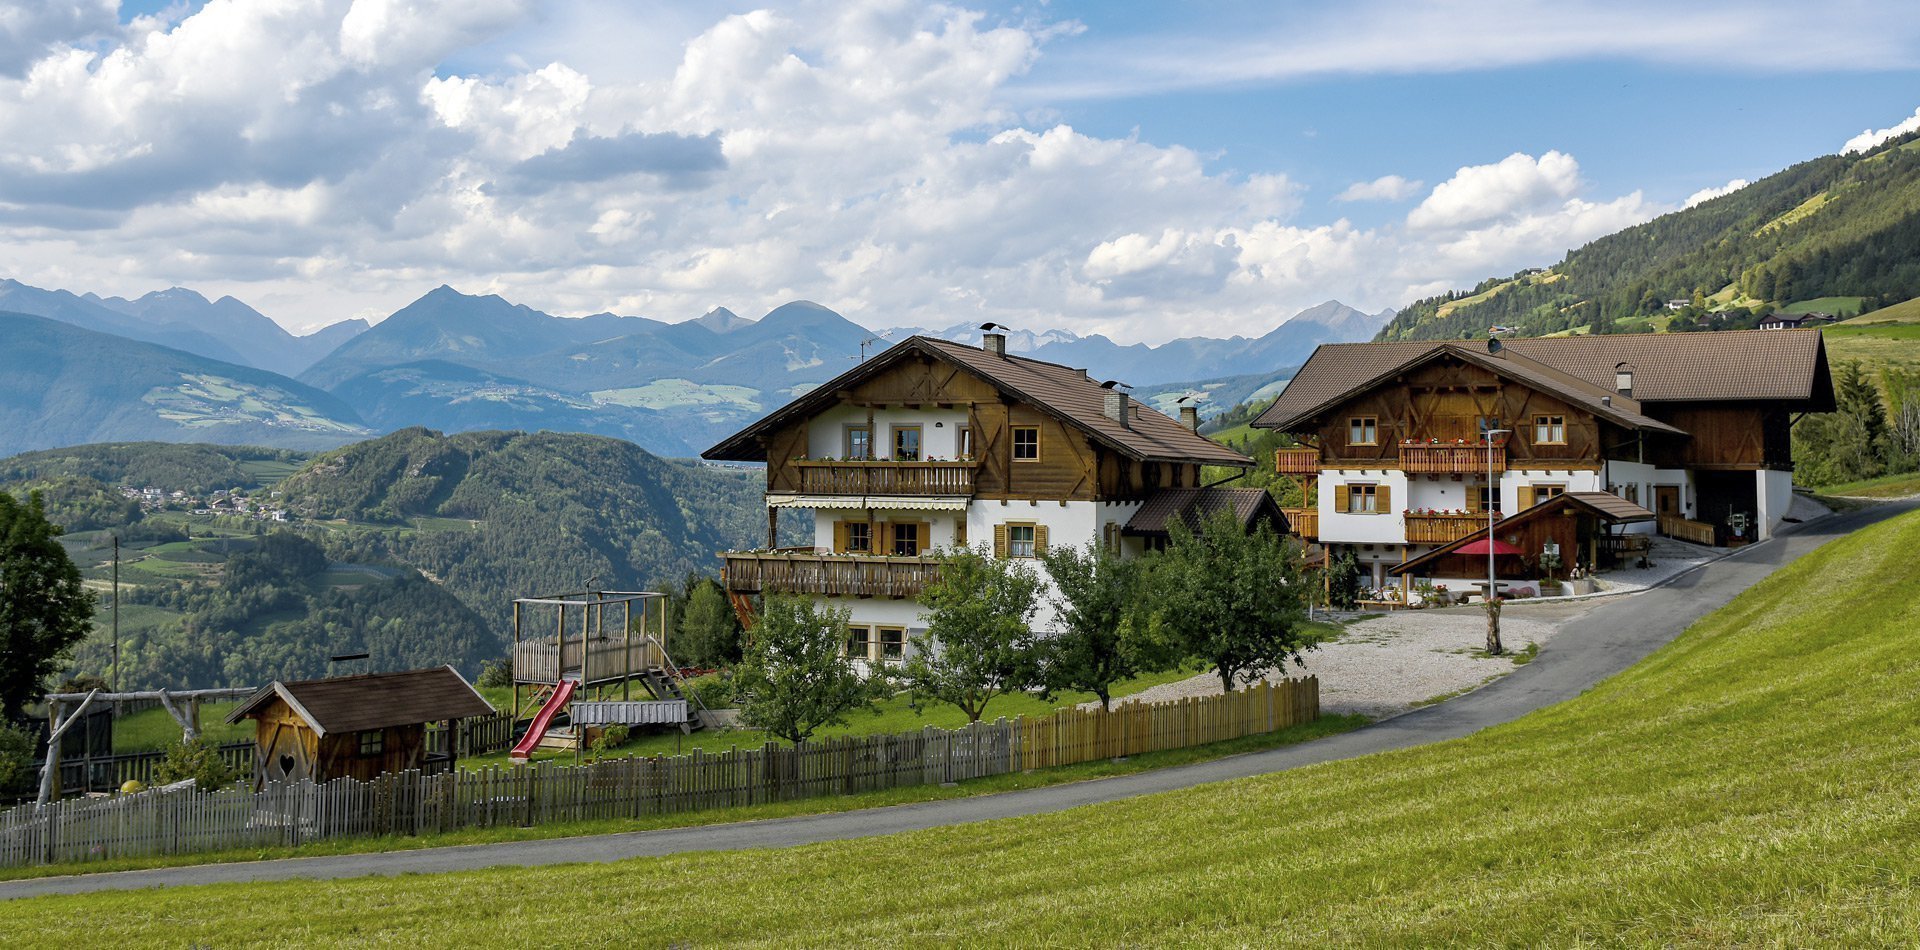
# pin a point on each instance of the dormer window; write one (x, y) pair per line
(1623, 379)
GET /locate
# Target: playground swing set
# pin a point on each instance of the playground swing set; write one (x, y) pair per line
(573, 672)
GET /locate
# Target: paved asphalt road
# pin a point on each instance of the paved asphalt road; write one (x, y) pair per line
(1608, 639)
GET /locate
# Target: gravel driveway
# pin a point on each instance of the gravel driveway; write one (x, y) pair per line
(1389, 663)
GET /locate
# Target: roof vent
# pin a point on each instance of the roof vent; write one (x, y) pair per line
(1606, 401)
(1120, 407)
(1190, 417)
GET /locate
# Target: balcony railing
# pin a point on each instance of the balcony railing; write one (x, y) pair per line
(1444, 458)
(1305, 522)
(886, 477)
(830, 575)
(1434, 528)
(594, 660)
(1296, 461)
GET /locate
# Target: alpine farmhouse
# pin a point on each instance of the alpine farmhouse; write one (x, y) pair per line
(934, 444)
(1690, 430)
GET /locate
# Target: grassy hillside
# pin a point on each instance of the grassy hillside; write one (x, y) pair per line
(1747, 784)
(1826, 234)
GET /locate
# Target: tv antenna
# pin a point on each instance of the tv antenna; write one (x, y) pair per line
(869, 341)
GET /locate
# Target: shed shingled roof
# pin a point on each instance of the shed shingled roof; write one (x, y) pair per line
(1192, 505)
(1066, 393)
(345, 704)
(1732, 365)
(1608, 506)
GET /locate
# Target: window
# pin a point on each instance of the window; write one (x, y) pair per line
(963, 442)
(1363, 430)
(373, 742)
(1543, 492)
(1026, 443)
(893, 643)
(1363, 499)
(859, 442)
(1020, 540)
(1484, 425)
(906, 539)
(859, 537)
(1550, 430)
(859, 643)
(906, 443)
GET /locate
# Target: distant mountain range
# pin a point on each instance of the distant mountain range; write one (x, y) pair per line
(457, 362)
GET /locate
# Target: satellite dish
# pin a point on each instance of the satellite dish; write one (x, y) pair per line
(1494, 345)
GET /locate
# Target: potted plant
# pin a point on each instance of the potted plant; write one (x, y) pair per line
(1549, 565)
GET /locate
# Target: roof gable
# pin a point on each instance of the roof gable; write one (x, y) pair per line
(1062, 392)
(372, 700)
(1726, 366)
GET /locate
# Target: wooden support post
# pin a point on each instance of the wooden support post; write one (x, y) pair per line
(514, 658)
(626, 630)
(773, 528)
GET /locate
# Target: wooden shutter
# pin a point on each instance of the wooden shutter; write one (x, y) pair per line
(1383, 500)
(1526, 497)
(1000, 541)
(1473, 499)
(960, 532)
(839, 537)
(926, 536)
(1342, 498)
(1039, 540)
(882, 538)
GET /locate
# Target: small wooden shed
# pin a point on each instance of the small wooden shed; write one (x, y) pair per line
(353, 726)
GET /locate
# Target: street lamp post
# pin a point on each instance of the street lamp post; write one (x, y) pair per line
(1493, 589)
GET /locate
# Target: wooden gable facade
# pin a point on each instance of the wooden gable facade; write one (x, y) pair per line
(1451, 399)
(287, 748)
(1072, 466)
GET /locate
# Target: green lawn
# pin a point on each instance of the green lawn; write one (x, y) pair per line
(1841, 307)
(151, 729)
(1749, 784)
(895, 715)
(1907, 311)
(1886, 486)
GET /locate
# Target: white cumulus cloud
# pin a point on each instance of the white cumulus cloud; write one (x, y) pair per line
(1384, 188)
(1871, 137)
(1708, 194)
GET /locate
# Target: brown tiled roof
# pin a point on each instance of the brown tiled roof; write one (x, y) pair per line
(1064, 392)
(1191, 505)
(373, 700)
(1608, 506)
(1733, 365)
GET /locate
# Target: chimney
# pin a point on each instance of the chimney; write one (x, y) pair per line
(1606, 401)
(995, 343)
(1190, 417)
(1119, 408)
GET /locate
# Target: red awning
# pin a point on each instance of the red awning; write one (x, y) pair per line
(1480, 547)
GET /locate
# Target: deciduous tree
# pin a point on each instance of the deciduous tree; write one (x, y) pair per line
(979, 641)
(1106, 631)
(793, 680)
(1233, 597)
(44, 609)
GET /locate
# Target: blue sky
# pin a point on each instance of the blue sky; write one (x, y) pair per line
(1137, 169)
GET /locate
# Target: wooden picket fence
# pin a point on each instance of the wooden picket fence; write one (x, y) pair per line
(163, 821)
(477, 735)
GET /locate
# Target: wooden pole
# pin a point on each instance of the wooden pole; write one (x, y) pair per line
(115, 682)
(515, 658)
(626, 629)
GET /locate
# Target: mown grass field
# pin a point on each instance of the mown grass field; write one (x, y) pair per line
(152, 729)
(1886, 486)
(1750, 783)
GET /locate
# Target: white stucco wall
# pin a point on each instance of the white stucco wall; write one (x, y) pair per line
(939, 430)
(1386, 527)
(1774, 492)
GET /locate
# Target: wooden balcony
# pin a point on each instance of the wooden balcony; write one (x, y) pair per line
(1425, 458)
(831, 575)
(1305, 461)
(1441, 529)
(886, 477)
(1305, 522)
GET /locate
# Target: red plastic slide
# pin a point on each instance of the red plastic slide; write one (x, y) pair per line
(538, 730)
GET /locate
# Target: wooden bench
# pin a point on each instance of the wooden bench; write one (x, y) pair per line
(1383, 605)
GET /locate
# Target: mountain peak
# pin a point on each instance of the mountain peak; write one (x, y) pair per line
(722, 320)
